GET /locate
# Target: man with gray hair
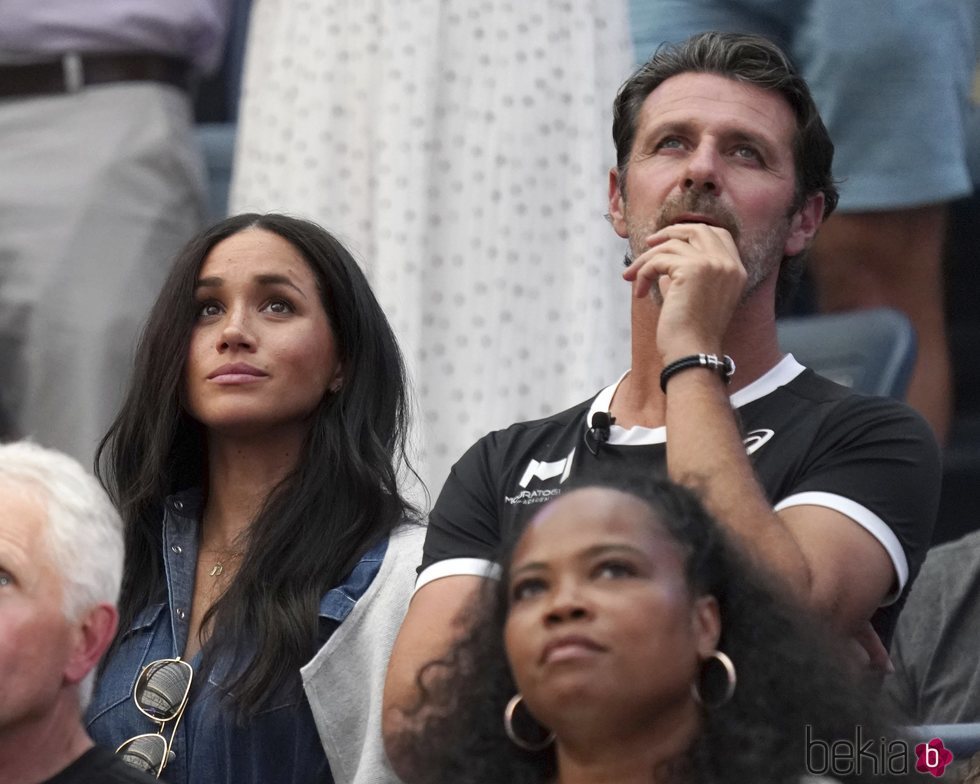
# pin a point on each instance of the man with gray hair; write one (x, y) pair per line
(61, 554)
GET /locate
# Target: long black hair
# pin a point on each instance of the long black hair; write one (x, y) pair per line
(789, 676)
(341, 498)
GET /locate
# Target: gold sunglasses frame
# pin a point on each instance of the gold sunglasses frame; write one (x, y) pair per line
(140, 686)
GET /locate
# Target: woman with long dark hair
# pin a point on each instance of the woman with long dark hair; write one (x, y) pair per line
(255, 463)
(627, 641)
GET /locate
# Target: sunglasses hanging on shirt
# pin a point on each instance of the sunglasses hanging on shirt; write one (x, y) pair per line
(160, 694)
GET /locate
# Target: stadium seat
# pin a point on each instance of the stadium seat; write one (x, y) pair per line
(871, 351)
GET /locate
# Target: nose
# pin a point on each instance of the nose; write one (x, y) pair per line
(701, 172)
(235, 332)
(567, 604)
(557, 615)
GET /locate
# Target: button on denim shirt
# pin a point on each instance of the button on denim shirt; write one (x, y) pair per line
(279, 745)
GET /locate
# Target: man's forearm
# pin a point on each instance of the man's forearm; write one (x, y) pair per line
(705, 451)
(833, 565)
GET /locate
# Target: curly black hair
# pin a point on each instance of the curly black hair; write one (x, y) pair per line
(790, 676)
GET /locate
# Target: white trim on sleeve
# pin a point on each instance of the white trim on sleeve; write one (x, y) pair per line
(451, 567)
(868, 520)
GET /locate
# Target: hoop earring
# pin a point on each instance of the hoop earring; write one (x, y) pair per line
(730, 680)
(516, 739)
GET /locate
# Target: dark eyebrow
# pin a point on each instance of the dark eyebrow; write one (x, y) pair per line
(264, 279)
(672, 126)
(604, 549)
(273, 279)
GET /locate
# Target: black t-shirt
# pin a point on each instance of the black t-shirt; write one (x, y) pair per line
(98, 765)
(811, 441)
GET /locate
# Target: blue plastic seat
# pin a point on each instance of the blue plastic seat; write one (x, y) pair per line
(871, 351)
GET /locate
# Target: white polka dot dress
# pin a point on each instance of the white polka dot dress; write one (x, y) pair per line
(460, 148)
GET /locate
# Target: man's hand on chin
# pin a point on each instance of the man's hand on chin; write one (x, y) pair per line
(700, 277)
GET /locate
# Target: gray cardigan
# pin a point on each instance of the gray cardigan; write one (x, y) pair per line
(344, 682)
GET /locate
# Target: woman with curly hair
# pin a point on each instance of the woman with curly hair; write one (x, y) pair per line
(255, 465)
(627, 641)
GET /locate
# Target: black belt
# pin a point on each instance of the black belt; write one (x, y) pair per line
(72, 72)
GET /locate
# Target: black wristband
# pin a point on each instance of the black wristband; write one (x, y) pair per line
(724, 366)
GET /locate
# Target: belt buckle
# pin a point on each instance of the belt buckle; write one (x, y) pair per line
(74, 72)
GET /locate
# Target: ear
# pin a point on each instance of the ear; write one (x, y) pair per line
(617, 204)
(706, 619)
(91, 638)
(337, 381)
(804, 224)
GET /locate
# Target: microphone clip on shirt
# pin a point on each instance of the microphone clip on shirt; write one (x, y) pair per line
(599, 431)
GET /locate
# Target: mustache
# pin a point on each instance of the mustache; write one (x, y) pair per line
(703, 204)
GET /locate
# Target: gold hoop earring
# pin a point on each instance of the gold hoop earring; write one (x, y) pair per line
(516, 739)
(698, 687)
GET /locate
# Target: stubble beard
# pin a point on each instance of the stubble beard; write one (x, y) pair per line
(761, 252)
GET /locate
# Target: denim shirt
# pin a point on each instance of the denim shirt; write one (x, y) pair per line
(280, 744)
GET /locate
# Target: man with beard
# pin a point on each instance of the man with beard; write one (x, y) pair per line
(722, 179)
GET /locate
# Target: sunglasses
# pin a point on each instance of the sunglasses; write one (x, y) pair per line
(160, 694)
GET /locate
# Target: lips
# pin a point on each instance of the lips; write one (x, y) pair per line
(237, 373)
(570, 647)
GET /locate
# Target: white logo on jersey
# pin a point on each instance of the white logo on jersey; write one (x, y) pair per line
(528, 497)
(754, 440)
(538, 469)
(542, 470)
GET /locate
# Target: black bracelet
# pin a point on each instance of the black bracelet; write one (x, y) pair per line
(724, 366)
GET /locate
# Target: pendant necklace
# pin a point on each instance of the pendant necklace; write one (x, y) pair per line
(220, 557)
